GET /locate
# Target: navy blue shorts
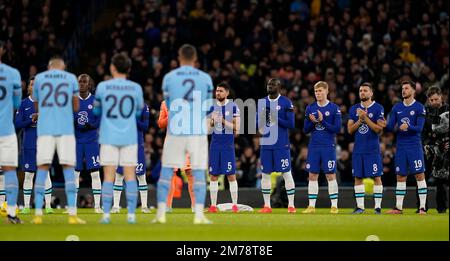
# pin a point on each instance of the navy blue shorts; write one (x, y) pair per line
(367, 165)
(275, 160)
(88, 156)
(321, 158)
(222, 162)
(409, 161)
(29, 160)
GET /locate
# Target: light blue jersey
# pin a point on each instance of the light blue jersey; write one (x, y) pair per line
(53, 90)
(120, 102)
(188, 94)
(10, 97)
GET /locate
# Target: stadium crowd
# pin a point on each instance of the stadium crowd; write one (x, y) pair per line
(244, 43)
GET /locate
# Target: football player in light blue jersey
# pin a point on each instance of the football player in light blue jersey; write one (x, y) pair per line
(55, 96)
(119, 102)
(366, 123)
(188, 94)
(10, 98)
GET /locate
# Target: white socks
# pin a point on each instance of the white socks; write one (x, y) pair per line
(313, 191)
(378, 195)
(333, 191)
(400, 193)
(27, 189)
(96, 188)
(213, 189)
(143, 190)
(290, 187)
(266, 187)
(234, 191)
(423, 191)
(359, 196)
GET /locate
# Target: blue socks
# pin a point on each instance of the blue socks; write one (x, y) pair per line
(11, 187)
(107, 196)
(71, 189)
(164, 184)
(39, 188)
(131, 193)
(199, 186)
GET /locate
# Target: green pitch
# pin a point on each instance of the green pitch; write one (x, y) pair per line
(237, 227)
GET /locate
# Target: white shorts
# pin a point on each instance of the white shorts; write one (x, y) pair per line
(64, 145)
(9, 151)
(176, 148)
(125, 156)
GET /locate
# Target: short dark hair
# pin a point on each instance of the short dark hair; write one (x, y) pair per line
(275, 80)
(434, 90)
(224, 85)
(121, 62)
(2, 44)
(411, 83)
(31, 79)
(187, 52)
(367, 84)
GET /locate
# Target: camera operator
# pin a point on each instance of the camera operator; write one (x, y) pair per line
(436, 141)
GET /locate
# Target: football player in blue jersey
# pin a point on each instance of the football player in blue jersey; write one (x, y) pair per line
(26, 119)
(407, 119)
(366, 123)
(224, 122)
(275, 118)
(323, 120)
(86, 134)
(10, 96)
(55, 95)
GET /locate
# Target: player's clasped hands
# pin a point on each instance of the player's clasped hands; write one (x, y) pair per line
(217, 117)
(318, 119)
(404, 127)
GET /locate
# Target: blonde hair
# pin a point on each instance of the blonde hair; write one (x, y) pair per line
(321, 84)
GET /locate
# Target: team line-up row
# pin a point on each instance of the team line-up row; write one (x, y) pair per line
(58, 99)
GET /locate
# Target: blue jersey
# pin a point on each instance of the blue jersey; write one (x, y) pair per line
(366, 140)
(86, 122)
(143, 123)
(54, 91)
(10, 96)
(414, 116)
(120, 102)
(278, 119)
(223, 138)
(323, 134)
(24, 121)
(186, 89)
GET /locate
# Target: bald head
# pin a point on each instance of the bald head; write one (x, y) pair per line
(56, 63)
